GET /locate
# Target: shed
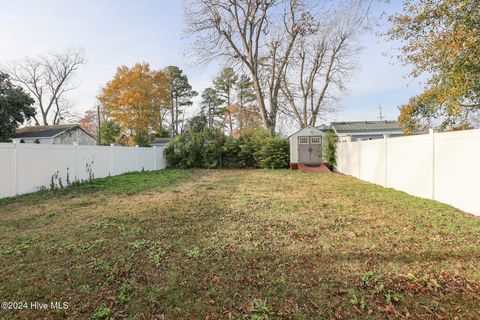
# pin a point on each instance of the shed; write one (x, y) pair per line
(306, 146)
(57, 134)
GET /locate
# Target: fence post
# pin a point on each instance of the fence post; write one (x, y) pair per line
(112, 146)
(432, 134)
(137, 148)
(15, 165)
(154, 148)
(385, 158)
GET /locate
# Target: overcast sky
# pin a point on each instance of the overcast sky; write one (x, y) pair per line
(114, 33)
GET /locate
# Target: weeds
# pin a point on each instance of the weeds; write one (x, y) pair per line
(156, 256)
(195, 252)
(138, 244)
(260, 310)
(102, 313)
(125, 292)
(158, 244)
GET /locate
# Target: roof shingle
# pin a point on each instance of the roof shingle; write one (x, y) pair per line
(366, 126)
(43, 131)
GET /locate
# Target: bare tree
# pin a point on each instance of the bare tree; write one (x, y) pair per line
(48, 78)
(274, 40)
(321, 64)
(259, 34)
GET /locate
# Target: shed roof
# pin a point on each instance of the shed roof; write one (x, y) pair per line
(312, 130)
(44, 131)
(366, 126)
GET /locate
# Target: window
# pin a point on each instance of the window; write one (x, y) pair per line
(315, 140)
(303, 140)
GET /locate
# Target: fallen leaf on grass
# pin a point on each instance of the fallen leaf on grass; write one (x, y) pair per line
(387, 309)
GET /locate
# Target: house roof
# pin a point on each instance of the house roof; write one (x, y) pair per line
(161, 141)
(366, 126)
(324, 127)
(44, 131)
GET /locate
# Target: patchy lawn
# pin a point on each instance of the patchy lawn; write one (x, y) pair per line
(227, 244)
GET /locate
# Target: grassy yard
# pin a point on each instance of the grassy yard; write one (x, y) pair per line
(228, 244)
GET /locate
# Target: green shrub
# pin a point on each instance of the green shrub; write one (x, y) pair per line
(231, 150)
(240, 152)
(331, 149)
(272, 152)
(212, 152)
(201, 147)
(196, 149)
(246, 154)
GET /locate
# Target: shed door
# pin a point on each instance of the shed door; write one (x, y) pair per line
(310, 149)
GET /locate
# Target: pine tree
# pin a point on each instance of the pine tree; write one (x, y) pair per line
(181, 95)
(224, 85)
(210, 105)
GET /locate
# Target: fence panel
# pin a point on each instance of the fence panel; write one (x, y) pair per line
(96, 158)
(146, 159)
(457, 172)
(37, 164)
(372, 161)
(8, 183)
(409, 165)
(126, 160)
(440, 166)
(351, 158)
(27, 167)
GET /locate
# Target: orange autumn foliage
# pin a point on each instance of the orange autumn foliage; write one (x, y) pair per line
(135, 98)
(441, 40)
(246, 119)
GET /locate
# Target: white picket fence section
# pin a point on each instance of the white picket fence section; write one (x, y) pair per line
(440, 166)
(26, 167)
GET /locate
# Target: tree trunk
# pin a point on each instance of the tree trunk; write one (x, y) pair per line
(229, 113)
(176, 116)
(44, 117)
(261, 103)
(240, 112)
(173, 115)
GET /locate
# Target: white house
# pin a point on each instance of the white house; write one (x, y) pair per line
(306, 146)
(59, 134)
(365, 130)
(160, 142)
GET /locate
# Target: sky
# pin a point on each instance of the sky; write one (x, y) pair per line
(122, 32)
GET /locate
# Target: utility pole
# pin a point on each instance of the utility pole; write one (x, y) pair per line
(99, 135)
(381, 116)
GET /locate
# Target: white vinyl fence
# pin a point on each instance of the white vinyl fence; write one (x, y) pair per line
(439, 166)
(26, 167)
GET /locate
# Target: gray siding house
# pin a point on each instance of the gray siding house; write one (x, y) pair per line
(365, 130)
(161, 142)
(59, 134)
